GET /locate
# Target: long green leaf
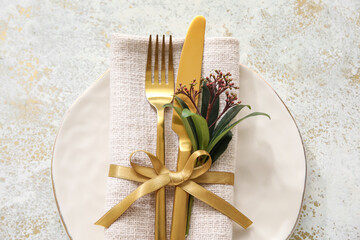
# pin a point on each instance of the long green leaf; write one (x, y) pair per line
(216, 139)
(227, 118)
(205, 104)
(181, 102)
(187, 126)
(177, 109)
(191, 134)
(202, 129)
(205, 96)
(191, 123)
(214, 114)
(221, 146)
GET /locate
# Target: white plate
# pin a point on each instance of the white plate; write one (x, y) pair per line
(271, 163)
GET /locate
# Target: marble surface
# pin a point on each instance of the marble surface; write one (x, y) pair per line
(309, 51)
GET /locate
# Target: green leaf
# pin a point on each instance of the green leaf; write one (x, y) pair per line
(191, 123)
(227, 118)
(205, 96)
(221, 146)
(214, 114)
(202, 129)
(216, 139)
(205, 104)
(181, 102)
(189, 130)
(177, 109)
(191, 133)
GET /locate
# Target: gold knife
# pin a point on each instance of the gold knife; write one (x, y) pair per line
(189, 69)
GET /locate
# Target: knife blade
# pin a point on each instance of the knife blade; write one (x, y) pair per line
(189, 69)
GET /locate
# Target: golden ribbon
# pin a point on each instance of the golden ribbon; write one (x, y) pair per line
(187, 179)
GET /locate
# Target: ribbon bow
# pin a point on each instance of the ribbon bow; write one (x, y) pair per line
(187, 179)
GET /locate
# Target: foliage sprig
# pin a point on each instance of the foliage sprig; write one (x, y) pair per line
(208, 128)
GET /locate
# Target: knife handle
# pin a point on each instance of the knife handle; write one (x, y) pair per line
(178, 225)
(160, 201)
(181, 198)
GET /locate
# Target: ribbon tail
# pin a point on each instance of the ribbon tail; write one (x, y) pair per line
(144, 189)
(216, 202)
(225, 178)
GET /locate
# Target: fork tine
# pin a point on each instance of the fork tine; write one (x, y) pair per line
(156, 69)
(148, 66)
(171, 66)
(163, 70)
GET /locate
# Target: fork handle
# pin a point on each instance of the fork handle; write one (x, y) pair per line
(160, 208)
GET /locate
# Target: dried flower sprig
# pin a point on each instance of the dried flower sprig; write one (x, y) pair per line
(218, 126)
(230, 102)
(191, 93)
(217, 84)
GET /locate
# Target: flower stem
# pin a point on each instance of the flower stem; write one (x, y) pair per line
(210, 106)
(225, 109)
(193, 102)
(190, 206)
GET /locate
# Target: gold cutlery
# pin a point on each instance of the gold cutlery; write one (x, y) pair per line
(189, 69)
(159, 93)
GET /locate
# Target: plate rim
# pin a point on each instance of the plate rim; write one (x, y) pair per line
(54, 146)
(106, 72)
(302, 143)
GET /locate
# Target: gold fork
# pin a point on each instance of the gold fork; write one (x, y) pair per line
(159, 93)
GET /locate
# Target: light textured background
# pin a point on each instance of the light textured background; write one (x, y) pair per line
(309, 51)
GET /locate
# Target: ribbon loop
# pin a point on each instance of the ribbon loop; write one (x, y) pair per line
(187, 179)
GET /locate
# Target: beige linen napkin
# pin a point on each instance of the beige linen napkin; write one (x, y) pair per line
(133, 127)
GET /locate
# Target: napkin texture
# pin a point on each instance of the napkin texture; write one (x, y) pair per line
(133, 127)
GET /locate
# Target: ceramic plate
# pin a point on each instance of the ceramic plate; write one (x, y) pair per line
(271, 163)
